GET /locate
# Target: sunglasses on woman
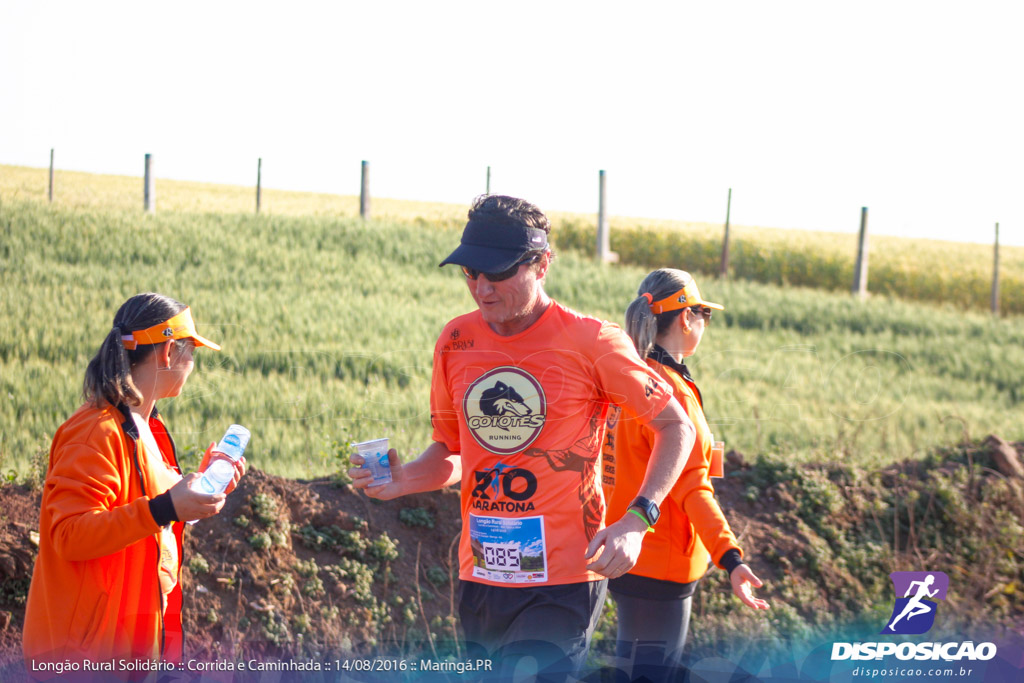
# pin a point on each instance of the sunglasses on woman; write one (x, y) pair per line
(702, 310)
(473, 273)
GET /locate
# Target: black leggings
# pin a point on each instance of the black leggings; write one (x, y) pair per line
(651, 635)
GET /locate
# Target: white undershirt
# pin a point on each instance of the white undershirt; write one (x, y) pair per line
(148, 440)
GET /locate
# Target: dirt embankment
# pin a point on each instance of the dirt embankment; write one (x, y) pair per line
(288, 569)
(311, 569)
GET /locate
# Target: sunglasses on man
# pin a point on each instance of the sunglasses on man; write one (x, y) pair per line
(473, 273)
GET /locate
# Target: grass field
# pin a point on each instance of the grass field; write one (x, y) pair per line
(923, 270)
(328, 326)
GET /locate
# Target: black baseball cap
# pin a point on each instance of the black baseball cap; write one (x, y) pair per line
(492, 245)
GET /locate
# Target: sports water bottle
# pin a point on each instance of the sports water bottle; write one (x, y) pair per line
(221, 470)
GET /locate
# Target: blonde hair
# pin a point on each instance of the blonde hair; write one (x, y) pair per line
(643, 326)
(108, 378)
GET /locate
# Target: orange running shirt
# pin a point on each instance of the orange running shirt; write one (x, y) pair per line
(527, 414)
(692, 524)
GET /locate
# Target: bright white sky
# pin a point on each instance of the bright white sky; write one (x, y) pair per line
(808, 110)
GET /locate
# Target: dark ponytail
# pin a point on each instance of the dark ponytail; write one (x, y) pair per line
(642, 326)
(108, 378)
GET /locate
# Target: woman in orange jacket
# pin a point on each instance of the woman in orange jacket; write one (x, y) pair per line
(106, 582)
(666, 323)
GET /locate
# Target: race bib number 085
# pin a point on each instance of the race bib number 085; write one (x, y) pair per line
(508, 549)
(501, 556)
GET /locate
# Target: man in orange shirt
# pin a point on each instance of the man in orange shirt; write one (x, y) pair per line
(520, 394)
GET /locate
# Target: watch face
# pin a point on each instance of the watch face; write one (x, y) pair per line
(653, 513)
(648, 507)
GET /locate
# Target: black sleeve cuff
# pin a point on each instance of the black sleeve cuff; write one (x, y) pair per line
(162, 509)
(731, 559)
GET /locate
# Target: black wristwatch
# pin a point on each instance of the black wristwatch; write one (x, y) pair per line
(648, 508)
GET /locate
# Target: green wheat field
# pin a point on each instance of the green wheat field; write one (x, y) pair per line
(328, 322)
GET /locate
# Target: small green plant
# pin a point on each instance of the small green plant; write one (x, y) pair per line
(275, 629)
(352, 541)
(314, 587)
(285, 583)
(751, 494)
(264, 507)
(211, 616)
(437, 576)
(312, 537)
(416, 517)
(280, 537)
(346, 541)
(198, 564)
(14, 591)
(242, 521)
(261, 541)
(307, 568)
(301, 623)
(341, 450)
(355, 576)
(380, 613)
(383, 548)
(337, 450)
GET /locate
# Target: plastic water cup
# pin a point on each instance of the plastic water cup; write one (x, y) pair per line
(375, 459)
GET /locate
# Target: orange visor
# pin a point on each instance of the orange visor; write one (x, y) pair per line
(684, 298)
(178, 327)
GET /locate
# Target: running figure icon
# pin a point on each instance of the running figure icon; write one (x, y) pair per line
(915, 606)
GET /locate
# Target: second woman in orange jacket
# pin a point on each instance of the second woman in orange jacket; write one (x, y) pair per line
(666, 323)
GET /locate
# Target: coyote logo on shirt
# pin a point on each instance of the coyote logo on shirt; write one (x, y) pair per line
(505, 409)
(502, 399)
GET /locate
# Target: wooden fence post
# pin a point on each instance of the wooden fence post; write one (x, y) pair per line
(364, 192)
(995, 276)
(724, 271)
(259, 178)
(488, 180)
(603, 241)
(860, 270)
(149, 188)
(50, 193)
